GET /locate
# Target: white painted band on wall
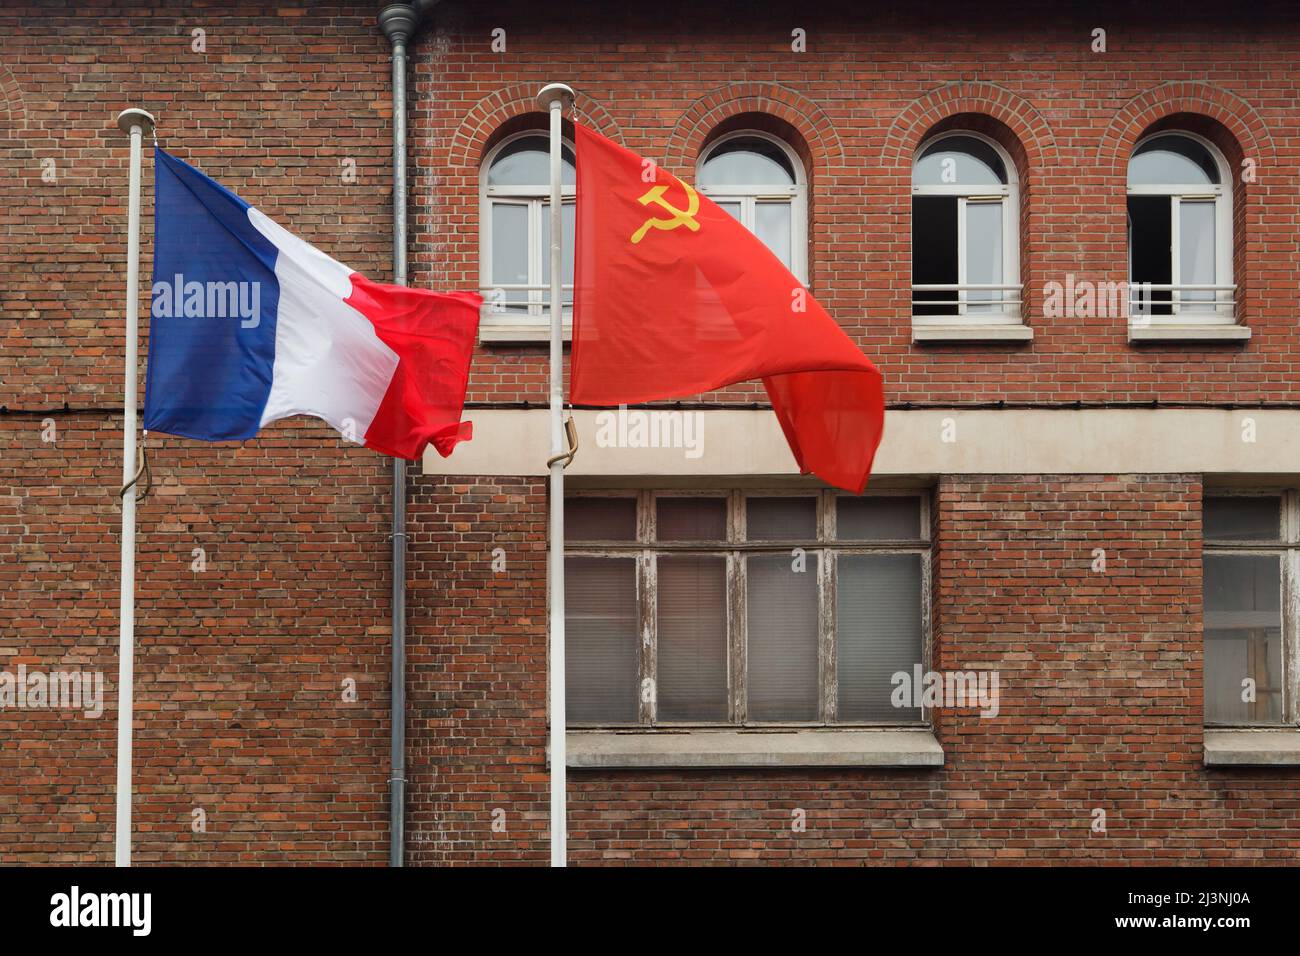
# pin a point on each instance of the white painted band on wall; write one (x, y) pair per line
(731, 442)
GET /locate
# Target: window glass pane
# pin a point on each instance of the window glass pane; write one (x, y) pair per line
(781, 519)
(691, 519)
(878, 620)
(747, 161)
(1172, 161)
(1243, 519)
(1196, 253)
(934, 254)
(527, 162)
(782, 617)
(959, 161)
(877, 519)
(732, 209)
(772, 225)
(600, 519)
(566, 225)
(509, 243)
(984, 254)
(691, 681)
(1150, 237)
(600, 623)
(1243, 638)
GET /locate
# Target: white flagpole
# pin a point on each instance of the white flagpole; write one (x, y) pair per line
(134, 122)
(555, 98)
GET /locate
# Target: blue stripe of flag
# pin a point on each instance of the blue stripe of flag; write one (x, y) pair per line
(209, 372)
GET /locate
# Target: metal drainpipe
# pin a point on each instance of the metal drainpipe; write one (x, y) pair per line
(398, 22)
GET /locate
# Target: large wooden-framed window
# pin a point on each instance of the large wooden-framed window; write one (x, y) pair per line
(749, 608)
(1251, 576)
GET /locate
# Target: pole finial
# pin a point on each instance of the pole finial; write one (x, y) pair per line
(128, 119)
(555, 91)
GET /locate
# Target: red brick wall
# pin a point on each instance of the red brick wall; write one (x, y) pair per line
(239, 669)
(1101, 673)
(272, 109)
(870, 87)
(477, 671)
(1101, 704)
(279, 101)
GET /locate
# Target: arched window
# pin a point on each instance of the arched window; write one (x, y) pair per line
(965, 231)
(760, 180)
(1179, 231)
(515, 228)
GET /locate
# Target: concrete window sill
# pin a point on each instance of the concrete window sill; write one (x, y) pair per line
(704, 749)
(1252, 748)
(972, 333)
(496, 331)
(1189, 333)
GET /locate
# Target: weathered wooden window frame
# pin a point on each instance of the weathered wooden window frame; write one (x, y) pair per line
(1287, 550)
(645, 549)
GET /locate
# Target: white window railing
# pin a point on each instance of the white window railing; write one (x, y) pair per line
(1187, 303)
(973, 302)
(515, 300)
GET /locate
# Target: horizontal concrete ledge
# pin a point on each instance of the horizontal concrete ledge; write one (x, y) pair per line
(702, 749)
(1252, 748)
(502, 333)
(726, 442)
(1189, 333)
(972, 333)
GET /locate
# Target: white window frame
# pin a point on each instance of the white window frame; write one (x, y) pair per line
(1287, 549)
(750, 195)
(534, 325)
(827, 548)
(1223, 311)
(1008, 195)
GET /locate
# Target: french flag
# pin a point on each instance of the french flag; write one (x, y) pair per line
(250, 324)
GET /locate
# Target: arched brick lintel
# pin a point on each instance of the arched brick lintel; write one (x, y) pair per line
(495, 109)
(771, 99)
(13, 111)
(1226, 108)
(922, 114)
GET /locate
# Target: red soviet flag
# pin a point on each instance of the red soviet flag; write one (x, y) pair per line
(674, 297)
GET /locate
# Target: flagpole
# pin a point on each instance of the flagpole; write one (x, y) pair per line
(133, 122)
(555, 97)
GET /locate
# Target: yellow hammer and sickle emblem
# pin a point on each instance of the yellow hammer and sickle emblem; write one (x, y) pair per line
(680, 217)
